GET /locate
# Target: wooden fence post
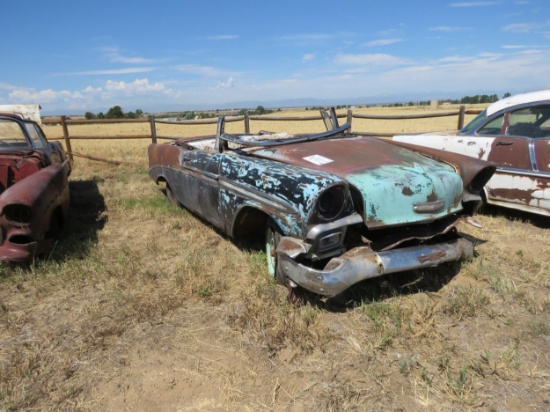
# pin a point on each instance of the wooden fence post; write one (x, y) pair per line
(461, 115)
(246, 123)
(349, 117)
(67, 139)
(153, 129)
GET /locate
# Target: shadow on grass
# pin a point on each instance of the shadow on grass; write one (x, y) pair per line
(542, 222)
(396, 284)
(85, 220)
(79, 234)
(429, 279)
(388, 286)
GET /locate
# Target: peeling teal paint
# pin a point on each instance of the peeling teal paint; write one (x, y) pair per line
(420, 183)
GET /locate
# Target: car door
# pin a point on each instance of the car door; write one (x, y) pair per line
(521, 157)
(202, 183)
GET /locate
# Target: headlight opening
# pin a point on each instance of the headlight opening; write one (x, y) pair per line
(331, 202)
(17, 213)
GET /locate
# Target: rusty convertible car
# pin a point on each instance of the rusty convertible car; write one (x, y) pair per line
(514, 135)
(333, 208)
(34, 187)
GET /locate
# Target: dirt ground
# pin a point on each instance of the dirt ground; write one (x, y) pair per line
(143, 307)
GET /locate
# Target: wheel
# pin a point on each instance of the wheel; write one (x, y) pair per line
(272, 238)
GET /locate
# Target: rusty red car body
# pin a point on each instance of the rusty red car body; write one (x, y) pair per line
(514, 135)
(34, 188)
(334, 208)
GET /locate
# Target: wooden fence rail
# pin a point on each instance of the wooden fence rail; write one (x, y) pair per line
(349, 116)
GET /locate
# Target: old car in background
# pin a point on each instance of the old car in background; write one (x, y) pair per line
(514, 135)
(34, 187)
(332, 208)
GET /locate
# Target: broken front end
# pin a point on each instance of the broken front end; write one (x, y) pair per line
(404, 218)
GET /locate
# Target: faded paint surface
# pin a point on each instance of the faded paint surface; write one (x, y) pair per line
(391, 192)
(34, 181)
(391, 179)
(227, 183)
(328, 197)
(523, 166)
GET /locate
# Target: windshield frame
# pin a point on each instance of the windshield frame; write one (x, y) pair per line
(473, 123)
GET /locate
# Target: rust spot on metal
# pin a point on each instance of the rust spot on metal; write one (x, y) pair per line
(432, 197)
(433, 257)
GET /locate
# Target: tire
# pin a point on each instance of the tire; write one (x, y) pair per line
(272, 239)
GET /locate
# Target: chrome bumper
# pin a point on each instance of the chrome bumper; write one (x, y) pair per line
(362, 263)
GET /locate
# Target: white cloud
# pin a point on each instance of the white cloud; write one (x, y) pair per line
(138, 86)
(521, 46)
(204, 71)
(304, 39)
(223, 37)
(90, 89)
(31, 96)
(455, 59)
(521, 27)
(448, 28)
(108, 72)
(371, 59)
(383, 42)
(113, 55)
(307, 37)
(474, 4)
(226, 85)
(308, 57)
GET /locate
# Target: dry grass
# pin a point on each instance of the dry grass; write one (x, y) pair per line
(142, 306)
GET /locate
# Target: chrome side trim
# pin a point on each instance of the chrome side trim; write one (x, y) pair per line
(522, 172)
(255, 194)
(532, 156)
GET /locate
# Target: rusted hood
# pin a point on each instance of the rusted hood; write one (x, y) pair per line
(392, 180)
(341, 157)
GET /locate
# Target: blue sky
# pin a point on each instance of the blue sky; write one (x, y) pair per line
(73, 56)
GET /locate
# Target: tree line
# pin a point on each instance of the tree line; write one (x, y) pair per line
(114, 112)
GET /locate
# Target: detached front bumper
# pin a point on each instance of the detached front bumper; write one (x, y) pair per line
(363, 263)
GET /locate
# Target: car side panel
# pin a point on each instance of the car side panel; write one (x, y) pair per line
(287, 193)
(510, 152)
(192, 176)
(542, 154)
(219, 186)
(43, 191)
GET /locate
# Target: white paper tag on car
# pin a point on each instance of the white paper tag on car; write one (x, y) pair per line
(318, 160)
